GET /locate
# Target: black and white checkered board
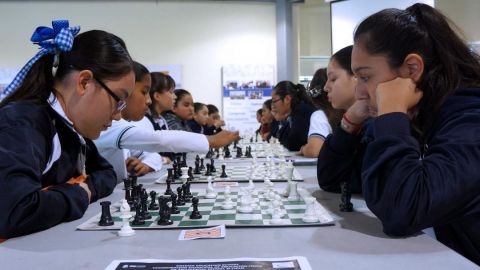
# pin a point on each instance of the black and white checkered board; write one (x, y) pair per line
(241, 173)
(213, 214)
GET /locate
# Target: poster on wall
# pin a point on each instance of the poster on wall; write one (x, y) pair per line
(245, 88)
(6, 76)
(175, 71)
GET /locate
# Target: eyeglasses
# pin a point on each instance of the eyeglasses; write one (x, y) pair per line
(276, 100)
(121, 104)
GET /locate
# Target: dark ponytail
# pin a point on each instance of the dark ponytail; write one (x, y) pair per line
(297, 92)
(449, 63)
(103, 53)
(140, 71)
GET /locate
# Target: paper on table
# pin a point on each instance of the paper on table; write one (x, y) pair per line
(210, 233)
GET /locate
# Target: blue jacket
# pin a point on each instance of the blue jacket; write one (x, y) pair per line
(195, 127)
(31, 199)
(411, 186)
(295, 132)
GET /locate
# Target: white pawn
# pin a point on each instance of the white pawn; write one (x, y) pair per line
(220, 154)
(210, 192)
(310, 215)
(246, 203)
(276, 213)
(227, 203)
(126, 229)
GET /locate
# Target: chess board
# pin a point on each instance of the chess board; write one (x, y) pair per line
(240, 173)
(213, 214)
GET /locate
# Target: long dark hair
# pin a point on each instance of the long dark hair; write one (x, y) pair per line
(319, 97)
(297, 92)
(449, 63)
(160, 83)
(344, 58)
(101, 52)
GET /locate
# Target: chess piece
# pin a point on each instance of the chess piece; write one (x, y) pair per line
(289, 176)
(180, 200)
(184, 175)
(128, 191)
(126, 229)
(227, 203)
(153, 202)
(195, 213)
(138, 219)
(186, 198)
(210, 192)
(245, 203)
(164, 213)
(144, 200)
(212, 166)
(106, 217)
(293, 194)
(227, 152)
(202, 167)
(239, 152)
(168, 191)
(310, 215)
(174, 209)
(346, 204)
(224, 174)
(190, 174)
(208, 172)
(170, 175)
(197, 167)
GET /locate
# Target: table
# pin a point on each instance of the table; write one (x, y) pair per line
(355, 242)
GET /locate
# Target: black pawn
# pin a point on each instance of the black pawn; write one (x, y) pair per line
(224, 174)
(208, 172)
(174, 209)
(153, 202)
(195, 213)
(169, 189)
(346, 204)
(212, 165)
(138, 219)
(180, 200)
(106, 218)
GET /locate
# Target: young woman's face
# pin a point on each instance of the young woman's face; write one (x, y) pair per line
(267, 116)
(164, 100)
(184, 108)
(340, 86)
(370, 70)
(201, 117)
(139, 100)
(281, 107)
(259, 118)
(96, 108)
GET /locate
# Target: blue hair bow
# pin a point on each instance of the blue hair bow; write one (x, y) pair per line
(53, 40)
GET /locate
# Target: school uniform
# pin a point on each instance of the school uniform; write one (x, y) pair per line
(175, 123)
(211, 130)
(195, 127)
(140, 136)
(411, 186)
(319, 125)
(40, 152)
(294, 133)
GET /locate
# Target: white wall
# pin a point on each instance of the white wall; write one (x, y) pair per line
(200, 36)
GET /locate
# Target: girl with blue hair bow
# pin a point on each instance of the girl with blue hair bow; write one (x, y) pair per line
(61, 100)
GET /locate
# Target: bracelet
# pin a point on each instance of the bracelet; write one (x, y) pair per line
(349, 126)
(350, 122)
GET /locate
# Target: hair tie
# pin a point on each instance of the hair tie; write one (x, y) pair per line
(53, 40)
(314, 92)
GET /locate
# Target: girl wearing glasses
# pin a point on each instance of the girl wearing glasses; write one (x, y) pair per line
(50, 170)
(290, 103)
(132, 143)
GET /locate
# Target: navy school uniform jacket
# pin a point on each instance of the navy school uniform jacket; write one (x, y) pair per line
(411, 186)
(31, 199)
(194, 126)
(295, 132)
